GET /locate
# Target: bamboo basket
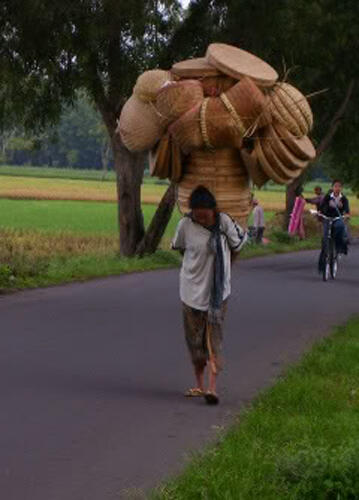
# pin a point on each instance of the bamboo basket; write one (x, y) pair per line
(177, 98)
(194, 68)
(214, 86)
(288, 173)
(149, 83)
(224, 174)
(250, 104)
(160, 158)
(219, 127)
(301, 147)
(238, 63)
(255, 172)
(284, 154)
(139, 125)
(291, 109)
(186, 131)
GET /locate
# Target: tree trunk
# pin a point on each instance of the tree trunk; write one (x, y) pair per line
(129, 173)
(159, 222)
(323, 145)
(105, 155)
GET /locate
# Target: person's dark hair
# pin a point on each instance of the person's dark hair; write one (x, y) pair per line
(299, 191)
(201, 197)
(337, 180)
(318, 187)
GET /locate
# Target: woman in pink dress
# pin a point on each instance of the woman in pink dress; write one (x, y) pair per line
(296, 225)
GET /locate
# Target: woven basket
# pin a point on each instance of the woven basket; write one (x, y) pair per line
(214, 86)
(194, 68)
(218, 127)
(267, 167)
(250, 104)
(139, 126)
(277, 165)
(186, 131)
(176, 162)
(149, 83)
(301, 147)
(291, 109)
(160, 158)
(255, 172)
(176, 98)
(224, 174)
(284, 154)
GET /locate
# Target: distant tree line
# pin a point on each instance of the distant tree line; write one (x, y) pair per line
(79, 140)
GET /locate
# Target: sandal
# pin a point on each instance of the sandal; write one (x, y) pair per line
(211, 398)
(194, 392)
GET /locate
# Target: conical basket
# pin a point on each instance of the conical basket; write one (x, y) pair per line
(149, 83)
(139, 125)
(186, 131)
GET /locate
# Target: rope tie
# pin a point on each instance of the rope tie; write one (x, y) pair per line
(239, 123)
(203, 125)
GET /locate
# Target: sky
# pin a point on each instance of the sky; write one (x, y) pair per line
(185, 2)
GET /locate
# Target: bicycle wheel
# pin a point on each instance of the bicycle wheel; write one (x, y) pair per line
(333, 262)
(326, 268)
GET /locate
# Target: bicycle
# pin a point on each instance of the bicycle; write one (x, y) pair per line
(329, 256)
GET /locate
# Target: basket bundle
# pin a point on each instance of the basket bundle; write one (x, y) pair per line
(291, 109)
(149, 83)
(139, 125)
(176, 98)
(165, 159)
(224, 174)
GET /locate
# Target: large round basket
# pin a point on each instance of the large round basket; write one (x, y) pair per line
(224, 174)
(237, 63)
(139, 125)
(255, 172)
(219, 127)
(177, 98)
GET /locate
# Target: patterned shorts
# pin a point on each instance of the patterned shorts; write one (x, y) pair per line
(204, 341)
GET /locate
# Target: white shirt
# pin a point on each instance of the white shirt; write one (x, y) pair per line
(196, 274)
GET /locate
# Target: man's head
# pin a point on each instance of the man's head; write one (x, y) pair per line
(337, 186)
(318, 190)
(254, 202)
(203, 206)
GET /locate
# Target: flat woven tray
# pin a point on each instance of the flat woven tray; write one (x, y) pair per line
(237, 63)
(194, 68)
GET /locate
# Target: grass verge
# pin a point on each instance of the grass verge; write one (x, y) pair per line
(299, 439)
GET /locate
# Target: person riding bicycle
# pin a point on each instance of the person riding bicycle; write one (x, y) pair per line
(336, 204)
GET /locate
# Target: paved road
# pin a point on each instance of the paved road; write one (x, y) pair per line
(91, 375)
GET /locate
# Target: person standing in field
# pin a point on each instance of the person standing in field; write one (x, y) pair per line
(317, 199)
(206, 238)
(296, 223)
(258, 221)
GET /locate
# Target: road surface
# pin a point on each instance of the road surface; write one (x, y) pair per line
(92, 375)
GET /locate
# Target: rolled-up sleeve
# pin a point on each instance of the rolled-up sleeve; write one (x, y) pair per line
(236, 236)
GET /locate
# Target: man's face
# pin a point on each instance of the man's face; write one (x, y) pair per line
(337, 187)
(203, 216)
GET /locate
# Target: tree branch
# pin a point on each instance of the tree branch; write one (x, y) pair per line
(337, 119)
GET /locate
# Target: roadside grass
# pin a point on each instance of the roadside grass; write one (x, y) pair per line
(298, 440)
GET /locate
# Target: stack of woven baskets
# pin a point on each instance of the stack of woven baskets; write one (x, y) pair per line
(196, 121)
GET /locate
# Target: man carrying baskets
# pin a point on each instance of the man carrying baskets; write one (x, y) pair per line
(207, 238)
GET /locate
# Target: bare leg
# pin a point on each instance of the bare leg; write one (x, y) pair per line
(199, 372)
(212, 378)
